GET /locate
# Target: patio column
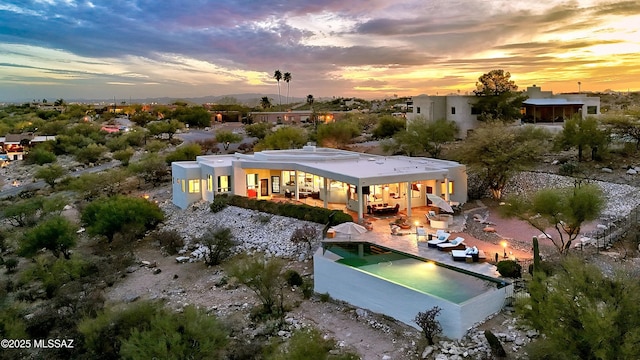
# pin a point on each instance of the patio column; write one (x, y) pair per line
(295, 185)
(325, 193)
(360, 201)
(446, 189)
(409, 196)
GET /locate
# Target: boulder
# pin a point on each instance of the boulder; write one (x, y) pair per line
(606, 169)
(427, 351)
(631, 172)
(182, 259)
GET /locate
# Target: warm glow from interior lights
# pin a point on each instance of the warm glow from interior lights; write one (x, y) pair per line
(417, 223)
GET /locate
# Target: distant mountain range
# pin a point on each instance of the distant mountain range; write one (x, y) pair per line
(249, 99)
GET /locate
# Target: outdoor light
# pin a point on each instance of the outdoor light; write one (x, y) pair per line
(504, 246)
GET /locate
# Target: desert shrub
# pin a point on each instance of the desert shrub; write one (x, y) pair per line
(40, 155)
(56, 273)
(293, 278)
(11, 264)
(219, 202)
(219, 243)
(124, 155)
(510, 269)
(305, 234)
(325, 297)
(170, 240)
(191, 334)
(428, 323)
(154, 146)
(263, 219)
(310, 344)
(496, 347)
(568, 169)
(187, 152)
(307, 289)
(264, 277)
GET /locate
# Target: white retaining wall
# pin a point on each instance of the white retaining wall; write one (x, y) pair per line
(364, 290)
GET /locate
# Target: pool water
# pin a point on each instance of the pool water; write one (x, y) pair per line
(420, 275)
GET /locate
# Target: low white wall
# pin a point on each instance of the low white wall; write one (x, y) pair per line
(364, 290)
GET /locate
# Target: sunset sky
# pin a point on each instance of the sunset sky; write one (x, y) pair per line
(365, 48)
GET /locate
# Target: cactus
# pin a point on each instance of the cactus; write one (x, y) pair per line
(536, 255)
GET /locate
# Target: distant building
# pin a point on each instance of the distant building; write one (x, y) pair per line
(544, 107)
(14, 146)
(540, 106)
(295, 116)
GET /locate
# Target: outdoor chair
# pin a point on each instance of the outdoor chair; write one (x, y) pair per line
(440, 238)
(455, 244)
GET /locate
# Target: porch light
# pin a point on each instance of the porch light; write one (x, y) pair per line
(504, 247)
(146, 196)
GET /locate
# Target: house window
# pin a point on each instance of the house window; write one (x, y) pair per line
(224, 184)
(252, 185)
(289, 177)
(443, 188)
(418, 109)
(415, 190)
(592, 110)
(453, 110)
(275, 184)
(183, 185)
(209, 183)
(194, 186)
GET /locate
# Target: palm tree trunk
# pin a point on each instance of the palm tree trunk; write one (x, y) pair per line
(279, 98)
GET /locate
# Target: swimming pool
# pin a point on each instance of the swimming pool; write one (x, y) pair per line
(401, 285)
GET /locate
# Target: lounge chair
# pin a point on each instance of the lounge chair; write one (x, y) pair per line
(440, 237)
(455, 244)
(470, 254)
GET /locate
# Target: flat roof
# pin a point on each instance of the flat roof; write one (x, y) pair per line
(552, 102)
(342, 165)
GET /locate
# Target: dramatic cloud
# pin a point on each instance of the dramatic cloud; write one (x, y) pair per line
(366, 48)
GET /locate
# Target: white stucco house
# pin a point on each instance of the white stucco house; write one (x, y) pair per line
(353, 179)
(540, 106)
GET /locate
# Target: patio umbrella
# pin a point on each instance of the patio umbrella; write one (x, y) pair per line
(350, 228)
(439, 202)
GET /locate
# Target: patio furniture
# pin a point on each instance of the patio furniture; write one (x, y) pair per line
(440, 238)
(470, 254)
(455, 244)
(385, 209)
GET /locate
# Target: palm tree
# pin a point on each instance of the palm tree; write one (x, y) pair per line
(278, 76)
(287, 77)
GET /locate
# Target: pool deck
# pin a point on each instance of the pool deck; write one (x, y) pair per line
(412, 244)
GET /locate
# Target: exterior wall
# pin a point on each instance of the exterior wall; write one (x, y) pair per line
(463, 117)
(439, 107)
(181, 174)
(360, 289)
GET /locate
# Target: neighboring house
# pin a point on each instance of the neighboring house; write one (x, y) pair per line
(544, 107)
(295, 116)
(540, 106)
(15, 145)
(457, 108)
(351, 179)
